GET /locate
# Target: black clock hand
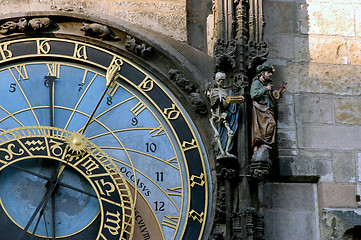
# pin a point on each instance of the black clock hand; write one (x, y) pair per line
(53, 174)
(48, 179)
(50, 80)
(46, 197)
(110, 76)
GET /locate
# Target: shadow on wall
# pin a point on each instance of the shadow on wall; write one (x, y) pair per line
(315, 47)
(353, 234)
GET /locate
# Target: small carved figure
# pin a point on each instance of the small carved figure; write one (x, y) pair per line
(12, 27)
(181, 80)
(264, 100)
(23, 25)
(225, 114)
(39, 24)
(98, 31)
(139, 49)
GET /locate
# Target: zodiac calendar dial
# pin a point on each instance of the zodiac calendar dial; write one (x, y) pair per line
(92, 146)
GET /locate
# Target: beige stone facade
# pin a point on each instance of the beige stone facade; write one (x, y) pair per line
(316, 43)
(166, 17)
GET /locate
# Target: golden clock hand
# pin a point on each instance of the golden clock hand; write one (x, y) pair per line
(110, 76)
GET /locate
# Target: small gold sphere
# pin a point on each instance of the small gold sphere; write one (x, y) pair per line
(77, 142)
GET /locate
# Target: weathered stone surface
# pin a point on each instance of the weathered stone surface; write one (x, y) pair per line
(302, 49)
(354, 50)
(166, 17)
(289, 211)
(323, 78)
(285, 116)
(293, 196)
(281, 46)
(303, 165)
(337, 195)
(334, 223)
(328, 49)
(171, 23)
(286, 139)
(358, 174)
(329, 1)
(289, 225)
(328, 136)
(303, 18)
(358, 20)
(344, 167)
(312, 108)
(348, 110)
(329, 19)
(279, 17)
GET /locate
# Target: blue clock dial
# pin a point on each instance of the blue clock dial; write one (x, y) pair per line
(134, 163)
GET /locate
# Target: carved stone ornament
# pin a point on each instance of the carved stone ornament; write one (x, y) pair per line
(260, 164)
(195, 97)
(26, 25)
(140, 49)
(220, 216)
(225, 54)
(257, 53)
(181, 80)
(96, 30)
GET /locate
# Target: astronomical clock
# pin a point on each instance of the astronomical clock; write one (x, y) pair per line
(94, 146)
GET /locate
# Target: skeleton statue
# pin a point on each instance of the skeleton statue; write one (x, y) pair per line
(224, 119)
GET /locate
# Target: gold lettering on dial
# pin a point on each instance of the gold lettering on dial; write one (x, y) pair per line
(5, 52)
(80, 51)
(33, 143)
(171, 222)
(113, 88)
(90, 166)
(84, 77)
(55, 148)
(111, 187)
(189, 145)
(171, 113)
(11, 152)
(116, 62)
(196, 216)
(54, 69)
(158, 131)
(138, 108)
(176, 191)
(112, 222)
(20, 72)
(197, 180)
(43, 46)
(147, 84)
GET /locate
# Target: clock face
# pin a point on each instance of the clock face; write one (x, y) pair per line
(94, 147)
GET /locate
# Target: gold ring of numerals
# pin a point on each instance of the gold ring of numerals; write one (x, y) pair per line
(117, 217)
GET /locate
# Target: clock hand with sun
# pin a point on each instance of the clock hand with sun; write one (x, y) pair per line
(110, 77)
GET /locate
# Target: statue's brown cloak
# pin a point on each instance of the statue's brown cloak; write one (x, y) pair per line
(263, 125)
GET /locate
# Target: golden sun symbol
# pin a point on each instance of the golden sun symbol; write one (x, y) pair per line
(77, 142)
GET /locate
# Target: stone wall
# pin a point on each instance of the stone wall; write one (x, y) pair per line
(167, 16)
(315, 47)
